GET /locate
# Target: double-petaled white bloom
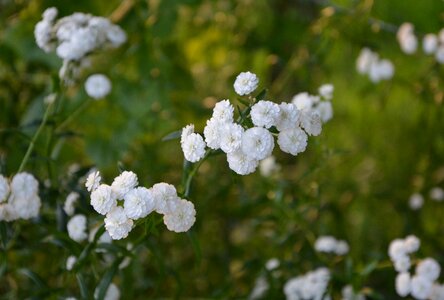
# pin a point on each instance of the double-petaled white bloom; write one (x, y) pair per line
(430, 43)
(97, 86)
(421, 287)
(193, 145)
(292, 141)
(23, 201)
(407, 39)
(257, 143)
(288, 117)
(311, 122)
(4, 188)
(428, 268)
(77, 228)
(312, 285)
(416, 201)
(103, 199)
(212, 133)
(139, 202)
(304, 101)
(265, 113)
(231, 137)
(182, 217)
(124, 183)
(165, 196)
(24, 185)
(70, 261)
(93, 181)
(117, 223)
(223, 111)
(245, 83)
(70, 201)
(241, 163)
(325, 110)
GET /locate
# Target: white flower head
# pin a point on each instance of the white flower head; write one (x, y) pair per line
(139, 202)
(311, 123)
(231, 137)
(272, 264)
(430, 43)
(7, 212)
(97, 86)
(4, 188)
(428, 268)
(165, 195)
(223, 111)
(70, 201)
(77, 228)
(25, 207)
(403, 284)
(292, 141)
(260, 288)
(257, 143)
(212, 133)
(186, 131)
(193, 147)
(325, 110)
(303, 101)
(245, 83)
(342, 248)
(326, 91)
(421, 287)
(70, 261)
(24, 185)
(288, 116)
(241, 163)
(402, 264)
(365, 60)
(407, 39)
(439, 54)
(436, 194)
(93, 181)
(268, 166)
(116, 35)
(265, 113)
(181, 217)
(124, 183)
(416, 201)
(117, 223)
(103, 199)
(397, 249)
(412, 244)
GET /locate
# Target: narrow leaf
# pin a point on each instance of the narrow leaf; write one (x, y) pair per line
(172, 136)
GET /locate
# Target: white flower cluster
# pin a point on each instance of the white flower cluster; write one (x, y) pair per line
(407, 38)
(416, 200)
(316, 104)
(312, 285)
(246, 147)
(124, 201)
(349, 294)
(19, 199)
(423, 284)
(369, 63)
(433, 44)
(329, 244)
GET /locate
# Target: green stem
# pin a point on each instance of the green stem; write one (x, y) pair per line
(193, 172)
(35, 137)
(73, 115)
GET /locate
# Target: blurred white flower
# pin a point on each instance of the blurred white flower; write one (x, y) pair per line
(246, 83)
(4, 188)
(112, 293)
(403, 284)
(70, 261)
(326, 91)
(411, 244)
(24, 185)
(241, 163)
(402, 264)
(97, 86)
(348, 294)
(288, 117)
(325, 110)
(329, 244)
(268, 166)
(261, 286)
(303, 101)
(165, 195)
(77, 228)
(421, 287)
(272, 264)
(70, 201)
(93, 181)
(437, 194)
(312, 285)
(428, 268)
(416, 201)
(430, 43)
(311, 123)
(407, 39)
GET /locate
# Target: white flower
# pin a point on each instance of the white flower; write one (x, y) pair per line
(4, 188)
(428, 268)
(241, 163)
(124, 183)
(411, 244)
(403, 284)
(186, 131)
(165, 195)
(97, 86)
(93, 181)
(292, 141)
(326, 91)
(103, 199)
(25, 207)
(245, 83)
(7, 212)
(430, 43)
(112, 293)
(272, 264)
(407, 39)
(309, 286)
(257, 143)
(70, 261)
(437, 292)
(117, 223)
(288, 117)
(70, 201)
(397, 249)
(421, 287)
(341, 248)
(181, 217)
(325, 110)
(139, 202)
(416, 201)
(105, 238)
(365, 60)
(260, 287)
(436, 194)
(402, 264)
(77, 228)
(325, 244)
(303, 101)
(223, 111)
(265, 113)
(193, 147)
(349, 294)
(311, 123)
(24, 185)
(212, 133)
(116, 35)
(231, 137)
(268, 166)
(381, 70)
(439, 55)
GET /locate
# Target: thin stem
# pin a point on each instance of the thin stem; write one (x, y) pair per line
(35, 137)
(73, 115)
(193, 172)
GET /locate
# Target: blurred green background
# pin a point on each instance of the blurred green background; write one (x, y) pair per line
(385, 142)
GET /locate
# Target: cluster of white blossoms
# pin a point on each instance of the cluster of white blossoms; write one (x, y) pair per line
(19, 198)
(416, 200)
(329, 244)
(407, 39)
(369, 63)
(421, 285)
(246, 147)
(124, 201)
(74, 37)
(312, 285)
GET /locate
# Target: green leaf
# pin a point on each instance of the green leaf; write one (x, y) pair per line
(103, 285)
(243, 101)
(369, 268)
(196, 246)
(172, 136)
(261, 95)
(4, 234)
(34, 277)
(82, 285)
